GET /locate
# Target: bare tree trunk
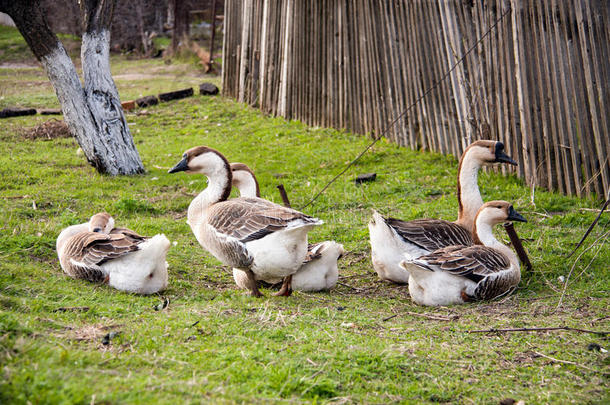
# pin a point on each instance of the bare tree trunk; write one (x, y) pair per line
(93, 114)
(181, 23)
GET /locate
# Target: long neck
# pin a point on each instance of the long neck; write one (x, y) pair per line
(218, 189)
(469, 196)
(483, 235)
(249, 190)
(248, 187)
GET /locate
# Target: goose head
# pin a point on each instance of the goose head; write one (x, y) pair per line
(487, 152)
(489, 215)
(213, 165)
(496, 212)
(101, 222)
(203, 160)
(245, 180)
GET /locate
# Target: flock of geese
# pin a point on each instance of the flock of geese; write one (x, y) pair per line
(443, 262)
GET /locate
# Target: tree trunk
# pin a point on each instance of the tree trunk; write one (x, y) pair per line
(93, 114)
(181, 24)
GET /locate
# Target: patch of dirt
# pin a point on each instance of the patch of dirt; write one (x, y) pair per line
(20, 65)
(90, 332)
(48, 130)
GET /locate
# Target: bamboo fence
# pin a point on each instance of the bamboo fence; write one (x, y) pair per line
(539, 82)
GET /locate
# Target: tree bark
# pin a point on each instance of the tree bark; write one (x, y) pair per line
(181, 23)
(93, 113)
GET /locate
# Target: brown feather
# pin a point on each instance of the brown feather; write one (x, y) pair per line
(252, 218)
(85, 252)
(431, 234)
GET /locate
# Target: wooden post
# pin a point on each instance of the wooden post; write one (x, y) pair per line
(514, 238)
(284, 195)
(211, 62)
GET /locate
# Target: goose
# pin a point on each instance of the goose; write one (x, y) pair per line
(457, 274)
(393, 238)
(98, 252)
(264, 239)
(319, 270)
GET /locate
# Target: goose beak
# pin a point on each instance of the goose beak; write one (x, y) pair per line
(502, 157)
(97, 229)
(181, 166)
(514, 215)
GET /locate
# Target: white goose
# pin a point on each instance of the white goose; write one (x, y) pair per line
(98, 252)
(457, 274)
(262, 238)
(392, 239)
(319, 270)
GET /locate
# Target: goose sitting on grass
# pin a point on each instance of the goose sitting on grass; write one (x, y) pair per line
(392, 239)
(261, 238)
(98, 252)
(319, 270)
(457, 274)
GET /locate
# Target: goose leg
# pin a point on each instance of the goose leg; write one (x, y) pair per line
(286, 289)
(465, 296)
(252, 284)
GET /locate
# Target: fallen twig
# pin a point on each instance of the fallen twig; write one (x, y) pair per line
(562, 361)
(494, 330)
(76, 309)
(349, 286)
(433, 317)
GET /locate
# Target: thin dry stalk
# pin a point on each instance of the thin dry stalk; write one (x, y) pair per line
(565, 286)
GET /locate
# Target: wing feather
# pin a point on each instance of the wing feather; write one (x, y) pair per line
(473, 262)
(247, 219)
(87, 251)
(314, 252)
(431, 234)
(129, 234)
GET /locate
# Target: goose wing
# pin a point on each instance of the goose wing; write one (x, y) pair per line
(314, 252)
(128, 233)
(87, 251)
(473, 262)
(431, 234)
(488, 267)
(248, 219)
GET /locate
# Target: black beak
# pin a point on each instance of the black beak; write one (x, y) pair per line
(180, 166)
(514, 215)
(97, 229)
(502, 157)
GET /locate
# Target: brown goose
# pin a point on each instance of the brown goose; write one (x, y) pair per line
(126, 261)
(262, 238)
(319, 270)
(457, 274)
(392, 239)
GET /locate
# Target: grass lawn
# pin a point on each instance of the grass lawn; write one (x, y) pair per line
(215, 343)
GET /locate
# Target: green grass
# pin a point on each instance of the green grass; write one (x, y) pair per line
(215, 343)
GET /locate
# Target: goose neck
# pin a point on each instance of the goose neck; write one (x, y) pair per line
(483, 235)
(469, 196)
(218, 189)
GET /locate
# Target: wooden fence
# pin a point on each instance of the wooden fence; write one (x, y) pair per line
(540, 81)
